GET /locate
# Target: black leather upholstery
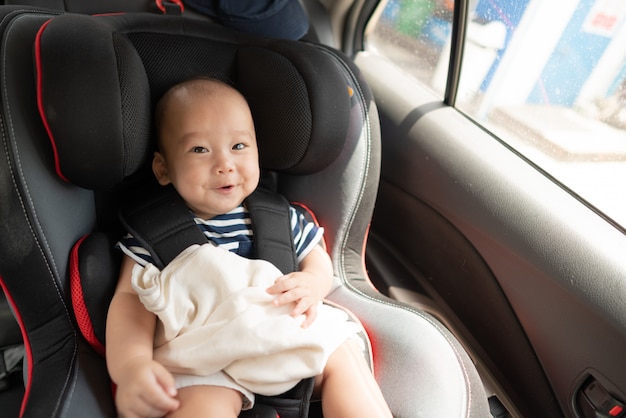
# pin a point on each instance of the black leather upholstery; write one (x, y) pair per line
(130, 60)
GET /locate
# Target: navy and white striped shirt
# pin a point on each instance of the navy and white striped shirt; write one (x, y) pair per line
(233, 231)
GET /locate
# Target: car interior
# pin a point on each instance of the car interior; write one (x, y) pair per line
(488, 285)
(78, 96)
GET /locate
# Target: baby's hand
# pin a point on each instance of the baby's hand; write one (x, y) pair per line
(146, 390)
(300, 288)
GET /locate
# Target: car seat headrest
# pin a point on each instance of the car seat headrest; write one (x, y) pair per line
(98, 81)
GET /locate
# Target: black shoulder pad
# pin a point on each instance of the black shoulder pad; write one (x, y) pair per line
(159, 218)
(273, 241)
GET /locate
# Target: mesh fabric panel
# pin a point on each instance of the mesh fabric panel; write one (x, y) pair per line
(135, 105)
(169, 59)
(280, 106)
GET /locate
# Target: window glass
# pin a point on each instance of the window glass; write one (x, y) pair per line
(547, 77)
(413, 34)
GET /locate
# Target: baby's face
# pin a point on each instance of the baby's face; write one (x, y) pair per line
(209, 149)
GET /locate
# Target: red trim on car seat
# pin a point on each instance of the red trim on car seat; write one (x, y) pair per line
(78, 301)
(28, 352)
(363, 262)
(179, 3)
(305, 207)
(353, 317)
(57, 164)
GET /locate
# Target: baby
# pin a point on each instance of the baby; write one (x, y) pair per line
(208, 152)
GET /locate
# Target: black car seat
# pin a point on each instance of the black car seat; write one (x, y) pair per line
(94, 79)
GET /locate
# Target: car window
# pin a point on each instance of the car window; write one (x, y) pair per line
(546, 77)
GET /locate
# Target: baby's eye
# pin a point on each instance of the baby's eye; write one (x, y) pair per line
(239, 146)
(199, 150)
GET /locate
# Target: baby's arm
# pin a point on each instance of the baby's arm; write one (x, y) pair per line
(144, 387)
(306, 287)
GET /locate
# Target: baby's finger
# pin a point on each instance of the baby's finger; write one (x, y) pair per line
(145, 409)
(295, 295)
(281, 285)
(140, 407)
(166, 381)
(310, 316)
(157, 404)
(157, 399)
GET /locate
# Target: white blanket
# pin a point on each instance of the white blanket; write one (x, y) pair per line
(216, 316)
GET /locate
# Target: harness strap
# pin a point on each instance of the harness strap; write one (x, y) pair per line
(160, 220)
(271, 225)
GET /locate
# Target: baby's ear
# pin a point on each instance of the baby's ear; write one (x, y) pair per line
(159, 168)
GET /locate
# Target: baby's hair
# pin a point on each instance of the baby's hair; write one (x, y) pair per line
(196, 85)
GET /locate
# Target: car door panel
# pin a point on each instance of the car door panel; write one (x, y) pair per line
(529, 276)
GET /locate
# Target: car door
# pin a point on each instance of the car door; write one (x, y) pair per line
(501, 203)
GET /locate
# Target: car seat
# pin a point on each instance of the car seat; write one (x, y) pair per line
(77, 94)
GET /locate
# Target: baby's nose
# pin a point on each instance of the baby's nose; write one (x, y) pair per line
(224, 164)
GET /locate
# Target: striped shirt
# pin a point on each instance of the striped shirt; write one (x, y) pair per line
(233, 231)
